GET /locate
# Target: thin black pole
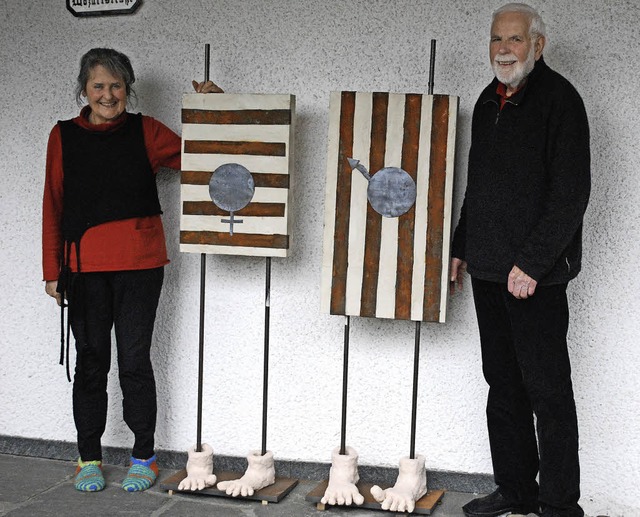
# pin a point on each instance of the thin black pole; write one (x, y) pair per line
(414, 400)
(207, 56)
(432, 64)
(265, 378)
(203, 272)
(416, 352)
(345, 377)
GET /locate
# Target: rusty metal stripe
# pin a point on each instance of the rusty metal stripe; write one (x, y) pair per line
(373, 234)
(263, 117)
(343, 202)
(251, 210)
(435, 207)
(406, 222)
(237, 239)
(260, 179)
(248, 148)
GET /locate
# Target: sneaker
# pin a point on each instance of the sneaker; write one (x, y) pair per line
(496, 504)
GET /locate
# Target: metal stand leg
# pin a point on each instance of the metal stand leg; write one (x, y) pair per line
(345, 377)
(265, 381)
(203, 272)
(414, 401)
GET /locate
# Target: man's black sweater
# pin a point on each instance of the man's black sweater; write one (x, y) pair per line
(528, 182)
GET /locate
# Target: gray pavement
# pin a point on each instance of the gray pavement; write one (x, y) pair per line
(42, 487)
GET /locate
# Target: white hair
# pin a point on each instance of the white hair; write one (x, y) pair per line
(536, 25)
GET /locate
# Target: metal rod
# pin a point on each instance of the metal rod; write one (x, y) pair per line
(203, 272)
(414, 401)
(265, 378)
(432, 65)
(416, 353)
(345, 376)
(207, 61)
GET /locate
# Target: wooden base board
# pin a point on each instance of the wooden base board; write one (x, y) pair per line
(269, 494)
(424, 506)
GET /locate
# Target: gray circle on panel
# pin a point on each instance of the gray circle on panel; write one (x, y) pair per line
(391, 192)
(231, 187)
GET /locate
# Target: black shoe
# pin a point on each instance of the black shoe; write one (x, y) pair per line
(496, 504)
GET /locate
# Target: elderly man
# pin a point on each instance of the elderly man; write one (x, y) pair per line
(519, 237)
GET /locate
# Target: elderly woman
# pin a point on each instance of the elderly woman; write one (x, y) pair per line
(103, 246)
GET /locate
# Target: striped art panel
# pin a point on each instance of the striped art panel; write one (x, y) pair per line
(254, 131)
(376, 264)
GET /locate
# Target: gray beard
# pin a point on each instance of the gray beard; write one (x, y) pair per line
(520, 74)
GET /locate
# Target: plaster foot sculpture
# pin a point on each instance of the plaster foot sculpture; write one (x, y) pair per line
(343, 477)
(259, 474)
(410, 486)
(199, 469)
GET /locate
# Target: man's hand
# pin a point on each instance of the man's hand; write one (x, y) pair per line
(520, 284)
(206, 87)
(458, 269)
(51, 288)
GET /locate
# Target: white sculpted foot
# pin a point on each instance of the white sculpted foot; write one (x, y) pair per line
(410, 486)
(259, 474)
(199, 469)
(343, 477)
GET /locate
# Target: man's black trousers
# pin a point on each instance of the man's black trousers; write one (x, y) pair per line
(526, 364)
(126, 301)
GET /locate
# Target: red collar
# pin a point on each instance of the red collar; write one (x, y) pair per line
(83, 121)
(501, 90)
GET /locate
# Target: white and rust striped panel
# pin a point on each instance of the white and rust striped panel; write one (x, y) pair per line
(254, 131)
(375, 263)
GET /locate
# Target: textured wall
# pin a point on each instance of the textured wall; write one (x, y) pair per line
(308, 49)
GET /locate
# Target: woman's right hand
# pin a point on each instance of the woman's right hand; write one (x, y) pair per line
(51, 288)
(206, 87)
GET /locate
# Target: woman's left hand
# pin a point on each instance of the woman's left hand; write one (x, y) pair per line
(51, 288)
(206, 87)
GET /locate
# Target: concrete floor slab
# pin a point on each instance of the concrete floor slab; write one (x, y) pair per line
(42, 487)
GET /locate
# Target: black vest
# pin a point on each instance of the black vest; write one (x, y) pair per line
(107, 177)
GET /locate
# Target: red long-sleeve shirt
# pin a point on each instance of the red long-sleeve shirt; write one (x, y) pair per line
(128, 244)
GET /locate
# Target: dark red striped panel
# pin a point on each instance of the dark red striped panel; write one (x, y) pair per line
(260, 179)
(237, 239)
(263, 117)
(246, 148)
(251, 210)
(374, 219)
(343, 201)
(435, 207)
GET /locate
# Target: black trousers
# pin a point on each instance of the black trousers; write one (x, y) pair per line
(126, 301)
(526, 364)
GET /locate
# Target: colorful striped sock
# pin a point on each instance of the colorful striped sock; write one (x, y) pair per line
(89, 476)
(142, 474)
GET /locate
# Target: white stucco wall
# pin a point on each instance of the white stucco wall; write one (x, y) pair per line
(308, 49)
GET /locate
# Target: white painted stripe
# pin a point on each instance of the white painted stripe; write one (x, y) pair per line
(210, 162)
(235, 101)
(448, 202)
(261, 194)
(358, 208)
(234, 250)
(213, 223)
(236, 133)
(387, 275)
(333, 142)
(420, 239)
